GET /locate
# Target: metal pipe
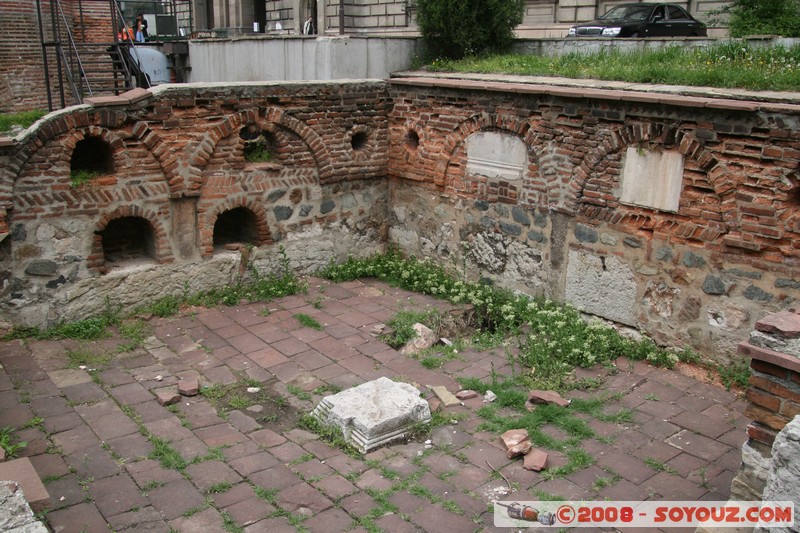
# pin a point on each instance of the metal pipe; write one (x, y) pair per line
(57, 43)
(44, 56)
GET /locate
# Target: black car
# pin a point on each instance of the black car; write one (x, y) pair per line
(642, 20)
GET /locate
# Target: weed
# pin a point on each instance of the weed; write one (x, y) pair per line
(658, 466)
(302, 459)
(150, 485)
(165, 454)
(268, 495)
(308, 321)
(557, 338)
(316, 303)
(229, 524)
(330, 434)
(546, 496)
(651, 397)
(84, 357)
(299, 393)
(135, 332)
(51, 478)
(194, 510)
(32, 423)
(603, 482)
(80, 177)
(737, 374)
(217, 488)
(402, 326)
(6, 438)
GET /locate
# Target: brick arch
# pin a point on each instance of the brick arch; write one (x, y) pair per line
(690, 147)
(166, 157)
(208, 220)
(264, 118)
(477, 123)
(96, 259)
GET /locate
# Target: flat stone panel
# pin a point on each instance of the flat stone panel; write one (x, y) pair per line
(374, 413)
(652, 179)
(602, 286)
(496, 155)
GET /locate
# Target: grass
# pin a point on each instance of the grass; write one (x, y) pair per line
(729, 64)
(24, 119)
(737, 374)
(308, 321)
(164, 453)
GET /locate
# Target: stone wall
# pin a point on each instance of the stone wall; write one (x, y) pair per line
(675, 215)
(770, 467)
(566, 220)
(177, 206)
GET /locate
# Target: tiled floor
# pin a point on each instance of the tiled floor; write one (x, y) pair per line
(90, 450)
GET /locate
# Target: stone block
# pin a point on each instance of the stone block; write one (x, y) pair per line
(785, 323)
(15, 513)
(535, 460)
(445, 396)
(374, 413)
(24, 474)
(167, 396)
(188, 386)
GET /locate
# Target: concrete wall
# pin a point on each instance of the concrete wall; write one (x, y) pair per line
(301, 58)
(559, 46)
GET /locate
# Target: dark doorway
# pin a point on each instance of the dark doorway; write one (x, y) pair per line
(92, 154)
(128, 238)
(237, 225)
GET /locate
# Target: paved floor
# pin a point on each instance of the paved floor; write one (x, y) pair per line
(91, 446)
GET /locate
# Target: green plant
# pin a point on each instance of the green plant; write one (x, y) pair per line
(737, 374)
(308, 321)
(80, 177)
(762, 17)
(257, 150)
(229, 524)
(217, 488)
(84, 357)
(402, 327)
(458, 28)
(330, 434)
(659, 466)
(164, 453)
(6, 438)
(731, 64)
(23, 119)
(298, 392)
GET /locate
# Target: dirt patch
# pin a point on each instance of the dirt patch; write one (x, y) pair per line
(257, 400)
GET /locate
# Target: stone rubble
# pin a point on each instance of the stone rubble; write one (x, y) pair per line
(544, 397)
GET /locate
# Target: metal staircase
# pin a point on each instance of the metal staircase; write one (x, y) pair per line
(84, 68)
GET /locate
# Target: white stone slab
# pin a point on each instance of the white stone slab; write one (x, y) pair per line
(374, 413)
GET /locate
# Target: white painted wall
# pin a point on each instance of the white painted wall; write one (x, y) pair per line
(298, 58)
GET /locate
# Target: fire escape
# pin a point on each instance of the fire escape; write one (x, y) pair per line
(88, 47)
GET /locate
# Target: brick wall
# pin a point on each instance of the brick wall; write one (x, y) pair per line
(697, 275)
(694, 277)
(773, 395)
(22, 77)
(177, 163)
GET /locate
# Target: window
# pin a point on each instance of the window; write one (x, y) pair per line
(676, 13)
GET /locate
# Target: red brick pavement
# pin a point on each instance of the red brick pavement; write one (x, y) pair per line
(683, 442)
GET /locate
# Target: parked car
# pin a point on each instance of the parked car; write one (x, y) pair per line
(642, 20)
